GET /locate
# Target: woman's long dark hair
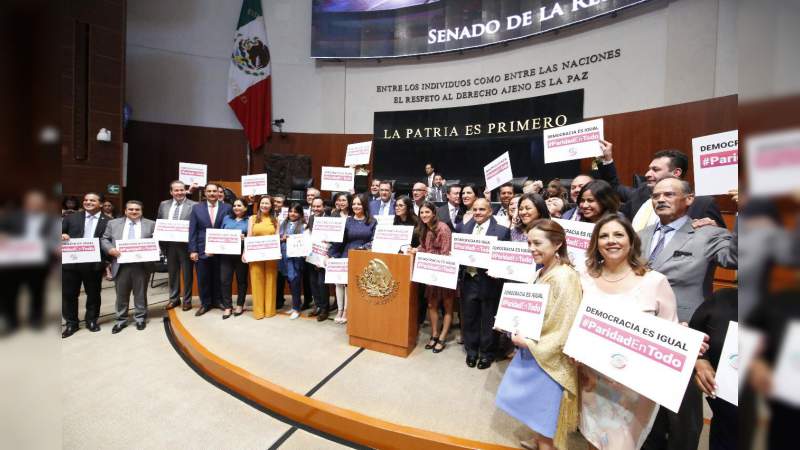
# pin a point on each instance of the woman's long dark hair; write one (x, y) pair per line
(246, 209)
(605, 195)
(296, 207)
(364, 207)
(422, 228)
(272, 214)
(349, 203)
(538, 203)
(410, 215)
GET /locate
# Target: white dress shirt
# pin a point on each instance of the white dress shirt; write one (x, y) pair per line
(137, 230)
(480, 229)
(453, 210)
(94, 223)
(175, 205)
(386, 208)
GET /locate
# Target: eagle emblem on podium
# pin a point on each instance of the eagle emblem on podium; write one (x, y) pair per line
(377, 283)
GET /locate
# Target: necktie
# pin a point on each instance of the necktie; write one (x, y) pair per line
(211, 214)
(452, 215)
(88, 226)
(472, 271)
(177, 212)
(132, 231)
(660, 244)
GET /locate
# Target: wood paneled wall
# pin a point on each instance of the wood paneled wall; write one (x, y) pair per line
(155, 149)
(92, 92)
(637, 135)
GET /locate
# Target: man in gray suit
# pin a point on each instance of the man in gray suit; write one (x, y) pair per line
(178, 208)
(688, 258)
(131, 276)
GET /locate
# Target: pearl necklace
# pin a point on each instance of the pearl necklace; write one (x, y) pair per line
(618, 279)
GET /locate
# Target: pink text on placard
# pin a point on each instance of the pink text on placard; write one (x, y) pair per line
(621, 337)
(576, 242)
(576, 139)
(720, 159)
(521, 304)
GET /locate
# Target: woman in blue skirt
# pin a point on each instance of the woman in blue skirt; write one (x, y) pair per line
(540, 386)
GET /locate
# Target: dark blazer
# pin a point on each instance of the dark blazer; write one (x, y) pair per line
(567, 215)
(443, 212)
(634, 198)
(73, 226)
(484, 286)
(199, 221)
(375, 206)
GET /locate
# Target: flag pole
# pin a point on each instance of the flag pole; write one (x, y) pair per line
(247, 156)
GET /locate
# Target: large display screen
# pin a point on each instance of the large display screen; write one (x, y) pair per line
(395, 28)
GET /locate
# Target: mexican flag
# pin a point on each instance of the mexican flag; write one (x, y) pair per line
(249, 76)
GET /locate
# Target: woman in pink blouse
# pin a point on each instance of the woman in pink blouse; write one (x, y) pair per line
(434, 237)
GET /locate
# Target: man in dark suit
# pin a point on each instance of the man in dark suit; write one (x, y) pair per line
(451, 212)
(637, 206)
(33, 222)
(205, 215)
(129, 277)
(89, 223)
(317, 274)
(436, 193)
(480, 293)
(178, 208)
(687, 256)
(384, 205)
(374, 190)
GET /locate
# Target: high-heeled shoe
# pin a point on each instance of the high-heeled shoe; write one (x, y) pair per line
(431, 343)
(239, 313)
(439, 346)
(225, 316)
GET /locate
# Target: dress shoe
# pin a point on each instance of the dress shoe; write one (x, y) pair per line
(238, 313)
(226, 316)
(92, 326)
(68, 331)
(187, 306)
(322, 317)
(118, 327)
(471, 361)
(140, 325)
(484, 363)
(200, 311)
(172, 304)
(314, 312)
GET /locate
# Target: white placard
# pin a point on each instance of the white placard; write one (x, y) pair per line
(75, 251)
(138, 250)
(282, 215)
(336, 270)
(786, 379)
(473, 251)
(191, 173)
(19, 252)
(384, 220)
(358, 154)
(262, 248)
(749, 344)
(579, 234)
(328, 229)
(298, 245)
(254, 184)
(498, 172)
(716, 163)
(391, 238)
(338, 179)
(512, 261)
(773, 162)
(168, 230)
(435, 270)
(318, 255)
(727, 374)
(651, 355)
(575, 141)
(521, 309)
(223, 242)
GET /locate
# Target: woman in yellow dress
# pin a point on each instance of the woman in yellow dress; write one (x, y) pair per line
(263, 274)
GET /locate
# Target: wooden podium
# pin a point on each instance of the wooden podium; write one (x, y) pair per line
(384, 323)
